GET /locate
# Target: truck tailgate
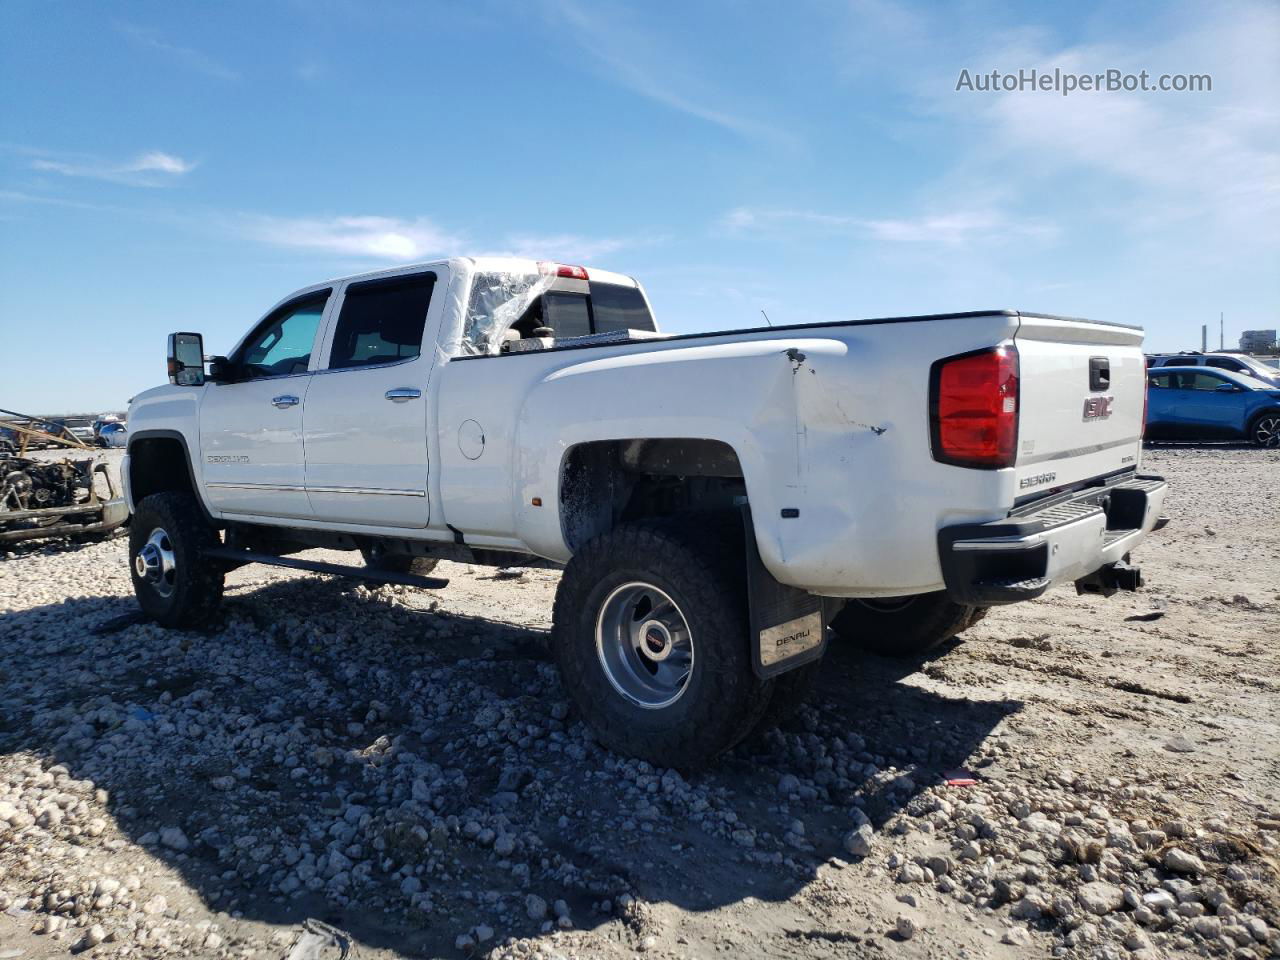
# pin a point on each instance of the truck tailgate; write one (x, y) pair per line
(1082, 388)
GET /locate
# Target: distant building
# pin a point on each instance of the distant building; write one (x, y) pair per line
(1258, 341)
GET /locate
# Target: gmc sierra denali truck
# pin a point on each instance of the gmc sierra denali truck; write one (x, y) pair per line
(722, 503)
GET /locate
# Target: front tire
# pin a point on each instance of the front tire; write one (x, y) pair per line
(175, 585)
(1264, 429)
(904, 626)
(650, 636)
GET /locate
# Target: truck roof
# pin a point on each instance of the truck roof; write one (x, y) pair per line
(489, 264)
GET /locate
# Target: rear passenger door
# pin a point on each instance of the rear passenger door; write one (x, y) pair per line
(365, 421)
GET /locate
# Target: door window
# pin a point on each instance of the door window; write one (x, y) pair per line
(1203, 381)
(382, 321)
(282, 343)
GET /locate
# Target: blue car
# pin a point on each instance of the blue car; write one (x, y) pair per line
(1203, 403)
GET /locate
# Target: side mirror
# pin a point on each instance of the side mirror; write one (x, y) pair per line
(186, 359)
(220, 370)
(1224, 388)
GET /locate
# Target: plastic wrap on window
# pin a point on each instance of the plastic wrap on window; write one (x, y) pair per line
(498, 299)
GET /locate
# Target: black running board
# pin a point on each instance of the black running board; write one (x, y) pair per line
(239, 558)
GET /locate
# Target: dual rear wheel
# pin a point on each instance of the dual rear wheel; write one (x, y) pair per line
(651, 639)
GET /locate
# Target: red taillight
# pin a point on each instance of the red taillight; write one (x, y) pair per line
(973, 406)
(563, 270)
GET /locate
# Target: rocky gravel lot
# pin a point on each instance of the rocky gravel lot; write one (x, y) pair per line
(1077, 777)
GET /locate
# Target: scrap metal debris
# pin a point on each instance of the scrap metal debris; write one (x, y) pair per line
(48, 498)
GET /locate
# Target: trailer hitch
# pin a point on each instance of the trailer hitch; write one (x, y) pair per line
(1106, 580)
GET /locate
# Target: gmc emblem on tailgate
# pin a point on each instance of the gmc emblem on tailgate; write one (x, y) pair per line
(1097, 408)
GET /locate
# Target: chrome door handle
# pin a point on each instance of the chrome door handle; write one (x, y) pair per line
(284, 401)
(401, 394)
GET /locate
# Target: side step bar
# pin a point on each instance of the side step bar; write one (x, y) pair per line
(238, 558)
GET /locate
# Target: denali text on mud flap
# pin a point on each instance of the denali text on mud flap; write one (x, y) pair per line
(791, 638)
(1037, 480)
(1097, 408)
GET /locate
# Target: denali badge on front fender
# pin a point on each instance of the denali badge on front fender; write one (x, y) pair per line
(1097, 408)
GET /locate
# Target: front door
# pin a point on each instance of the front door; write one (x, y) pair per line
(366, 420)
(1214, 401)
(251, 425)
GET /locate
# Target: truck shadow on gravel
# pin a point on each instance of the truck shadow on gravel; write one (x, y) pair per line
(410, 775)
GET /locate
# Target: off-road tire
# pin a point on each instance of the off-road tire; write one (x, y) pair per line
(398, 563)
(1264, 429)
(699, 564)
(196, 590)
(904, 626)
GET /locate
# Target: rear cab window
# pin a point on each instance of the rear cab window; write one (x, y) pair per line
(619, 308)
(519, 306)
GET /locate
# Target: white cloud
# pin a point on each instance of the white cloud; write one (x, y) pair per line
(636, 58)
(387, 239)
(151, 169)
(563, 246)
(185, 56)
(1145, 161)
(399, 240)
(1211, 156)
(959, 227)
(747, 218)
(161, 163)
(949, 228)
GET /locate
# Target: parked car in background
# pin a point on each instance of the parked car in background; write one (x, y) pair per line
(1231, 362)
(113, 434)
(1204, 403)
(79, 427)
(103, 421)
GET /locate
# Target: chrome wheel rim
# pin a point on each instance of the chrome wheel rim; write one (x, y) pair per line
(644, 645)
(156, 564)
(1267, 431)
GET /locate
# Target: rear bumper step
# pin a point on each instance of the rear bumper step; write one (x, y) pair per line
(1085, 539)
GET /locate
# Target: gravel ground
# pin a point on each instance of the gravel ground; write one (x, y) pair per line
(405, 766)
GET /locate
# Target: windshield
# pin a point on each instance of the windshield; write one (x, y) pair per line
(1260, 368)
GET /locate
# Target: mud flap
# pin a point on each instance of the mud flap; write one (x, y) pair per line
(788, 625)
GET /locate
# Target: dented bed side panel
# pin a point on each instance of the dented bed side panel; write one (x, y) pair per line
(830, 425)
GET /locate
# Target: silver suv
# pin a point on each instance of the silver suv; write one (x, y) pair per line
(1234, 362)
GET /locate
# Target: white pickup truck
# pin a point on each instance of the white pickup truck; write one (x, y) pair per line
(718, 500)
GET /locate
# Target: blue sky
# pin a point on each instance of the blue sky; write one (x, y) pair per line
(176, 165)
